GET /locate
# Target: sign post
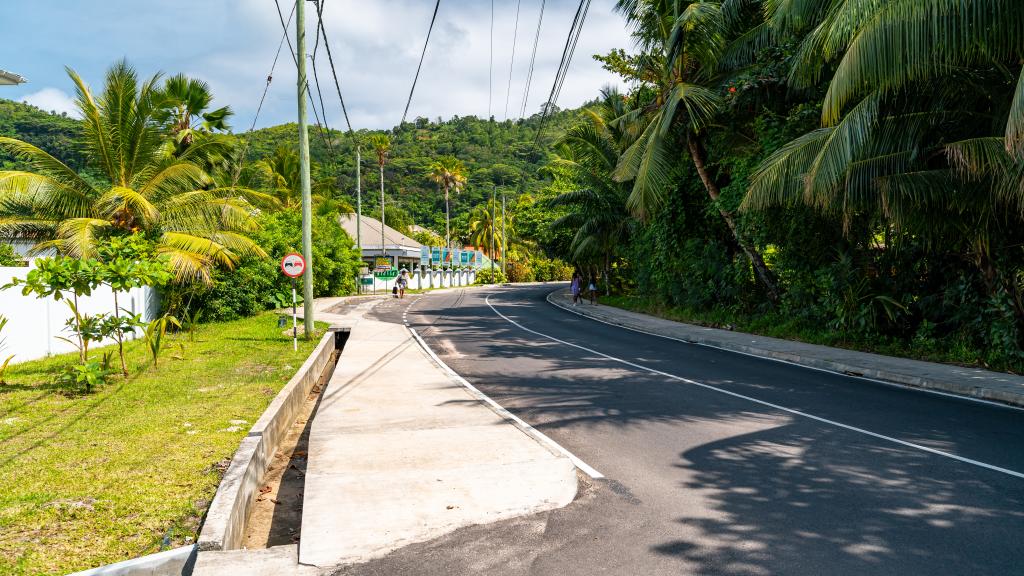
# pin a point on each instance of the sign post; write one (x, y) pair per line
(293, 265)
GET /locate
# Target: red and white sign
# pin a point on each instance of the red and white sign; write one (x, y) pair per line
(293, 265)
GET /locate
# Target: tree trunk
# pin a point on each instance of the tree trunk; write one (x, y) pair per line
(120, 336)
(760, 268)
(447, 224)
(607, 273)
(83, 352)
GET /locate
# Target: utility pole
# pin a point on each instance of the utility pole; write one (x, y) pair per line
(307, 203)
(504, 242)
(359, 201)
(359, 215)
(493, 200)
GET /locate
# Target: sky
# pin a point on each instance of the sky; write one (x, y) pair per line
(376, 45)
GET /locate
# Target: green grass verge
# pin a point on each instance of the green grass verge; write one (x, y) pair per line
(785, 327)
(93, 479)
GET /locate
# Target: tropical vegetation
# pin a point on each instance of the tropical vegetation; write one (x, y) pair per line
(843, 171)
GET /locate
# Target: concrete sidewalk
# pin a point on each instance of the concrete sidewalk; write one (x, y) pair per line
(974, 382)
(400, 453)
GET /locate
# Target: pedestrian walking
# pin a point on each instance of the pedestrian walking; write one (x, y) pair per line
(402, 283)
(592, 288)
(576, 286)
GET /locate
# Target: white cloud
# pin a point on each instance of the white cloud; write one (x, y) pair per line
(52, 100)
(376, 46)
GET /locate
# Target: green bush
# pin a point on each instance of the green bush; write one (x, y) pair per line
(519, 271)
(8, 257)
(484, 276)
(254, 285)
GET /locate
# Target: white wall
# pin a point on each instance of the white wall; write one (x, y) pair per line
(421, 279)
(34, 324)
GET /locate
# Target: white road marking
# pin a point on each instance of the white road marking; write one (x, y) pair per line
(764, 403)
(533, 432)
(781, 361)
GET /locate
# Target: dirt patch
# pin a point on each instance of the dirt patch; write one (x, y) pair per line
(277, 513)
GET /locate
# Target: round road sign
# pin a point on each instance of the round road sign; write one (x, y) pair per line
(293, 265)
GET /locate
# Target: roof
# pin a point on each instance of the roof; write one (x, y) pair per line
(370, 230)
(10, 78)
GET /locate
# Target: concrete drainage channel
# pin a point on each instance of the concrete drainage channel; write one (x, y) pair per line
(228, 516)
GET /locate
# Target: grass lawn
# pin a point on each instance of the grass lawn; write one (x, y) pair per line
(86, 480)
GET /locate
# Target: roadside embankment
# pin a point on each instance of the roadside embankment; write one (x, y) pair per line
(972, 382)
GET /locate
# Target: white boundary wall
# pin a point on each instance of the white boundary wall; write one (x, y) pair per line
(423, 279)
(34, 324)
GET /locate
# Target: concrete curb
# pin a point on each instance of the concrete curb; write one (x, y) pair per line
(229, 511)
(175, 562)
(954, 388)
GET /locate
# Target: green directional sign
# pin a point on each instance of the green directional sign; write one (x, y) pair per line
(386, 274)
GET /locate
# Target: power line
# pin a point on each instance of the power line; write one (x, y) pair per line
(295, 59)
(490, 66)
(420, 65)
(563, 65)
(572, 49)
(323, 109)
(259, 108)
(533, 59)
(515, 35)
(330, 60)
(270, 76)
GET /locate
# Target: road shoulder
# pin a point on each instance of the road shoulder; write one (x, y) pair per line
(973, 383)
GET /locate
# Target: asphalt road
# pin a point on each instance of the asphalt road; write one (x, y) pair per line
(716, 463)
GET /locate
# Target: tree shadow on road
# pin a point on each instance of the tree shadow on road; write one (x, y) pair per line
(777, 493)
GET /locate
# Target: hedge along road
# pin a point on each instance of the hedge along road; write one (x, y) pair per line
(751, 467)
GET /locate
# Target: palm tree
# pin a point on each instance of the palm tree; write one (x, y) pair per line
(914, 133)
(381, 145)
(485, 226)
(183, 102)
(689, 44)
(280, 173)
(449, 173)
(586, 157)
(145, 188)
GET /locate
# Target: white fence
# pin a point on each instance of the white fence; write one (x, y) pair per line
(34, 324)
(420, 279)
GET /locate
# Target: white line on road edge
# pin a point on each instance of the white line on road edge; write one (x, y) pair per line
(530, 430)
(909, 387)
(764, 403)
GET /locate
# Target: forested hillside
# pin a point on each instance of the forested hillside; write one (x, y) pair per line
(56, 133)
(507, 154)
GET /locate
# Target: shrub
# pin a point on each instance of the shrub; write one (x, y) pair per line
(8, 257)
(484, 276)
(253, 285)
(519, 271)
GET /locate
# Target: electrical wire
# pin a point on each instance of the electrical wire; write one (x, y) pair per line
(295, 59)
(533, 59)
(259, 108)
(563, 65)
(491, 62)
(420, 65)
(323, 109)
(330, 60)
(512, 63)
